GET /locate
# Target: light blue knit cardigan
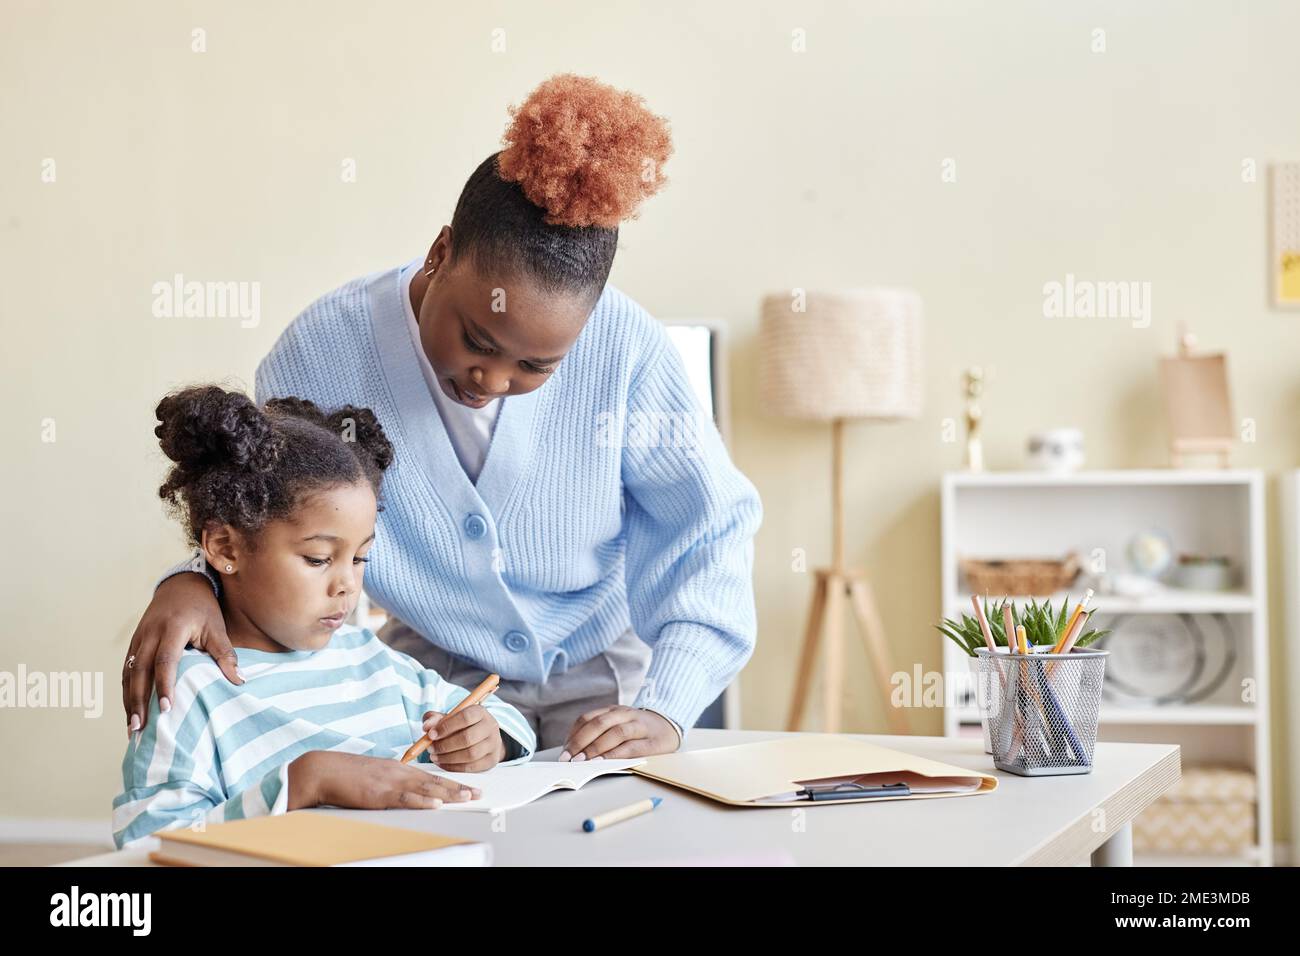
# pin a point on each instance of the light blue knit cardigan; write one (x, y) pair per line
(607, 499)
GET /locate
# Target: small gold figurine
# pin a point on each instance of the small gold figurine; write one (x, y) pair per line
(974, 380)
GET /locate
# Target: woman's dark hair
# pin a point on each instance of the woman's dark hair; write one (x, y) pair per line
(241, 465)
(579, 158)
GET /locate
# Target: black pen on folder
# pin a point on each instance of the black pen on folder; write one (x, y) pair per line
(852, 791)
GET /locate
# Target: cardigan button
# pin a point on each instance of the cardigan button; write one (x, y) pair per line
(516, 641)
(475, 526)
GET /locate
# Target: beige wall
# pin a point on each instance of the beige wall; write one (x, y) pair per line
(812, 170)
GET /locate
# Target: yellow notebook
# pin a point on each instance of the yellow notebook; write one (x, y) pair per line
(314, 839)
(770, 773)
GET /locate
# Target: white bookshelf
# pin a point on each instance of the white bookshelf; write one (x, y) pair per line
(1030, 514)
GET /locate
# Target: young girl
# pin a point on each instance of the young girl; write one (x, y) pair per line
(282, 502)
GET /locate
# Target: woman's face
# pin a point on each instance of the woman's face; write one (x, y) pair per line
(487, 338)
(294, 589)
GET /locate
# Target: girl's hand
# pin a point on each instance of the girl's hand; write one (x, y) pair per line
(330, 778)
(619, 731)
(184, 611)
(467, 741)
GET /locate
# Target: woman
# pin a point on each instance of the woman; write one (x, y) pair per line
(559, 510)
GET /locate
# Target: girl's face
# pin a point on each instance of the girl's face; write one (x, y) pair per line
(490, 338)
(303, 578)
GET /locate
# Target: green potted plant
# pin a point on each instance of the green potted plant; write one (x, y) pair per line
(1043, 628)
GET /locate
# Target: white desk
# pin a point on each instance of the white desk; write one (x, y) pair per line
(1055, 821)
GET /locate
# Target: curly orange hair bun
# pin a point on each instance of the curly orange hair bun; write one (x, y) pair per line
(585, 152)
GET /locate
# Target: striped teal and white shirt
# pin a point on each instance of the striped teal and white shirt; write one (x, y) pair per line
(223, 752)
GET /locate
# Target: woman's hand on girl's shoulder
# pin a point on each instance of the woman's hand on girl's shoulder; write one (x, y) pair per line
(184, 612)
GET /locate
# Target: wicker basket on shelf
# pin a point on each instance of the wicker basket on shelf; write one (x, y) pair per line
(1020, 576)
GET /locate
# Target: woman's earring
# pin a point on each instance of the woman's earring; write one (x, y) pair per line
(229, 568)
(431, 270)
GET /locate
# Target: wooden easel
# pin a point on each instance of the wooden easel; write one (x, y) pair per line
(832, 586)
(1197, 403)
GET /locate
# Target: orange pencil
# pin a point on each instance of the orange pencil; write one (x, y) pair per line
(1069, 625)
(490, 683)
(1075, 633)
(1067, 642)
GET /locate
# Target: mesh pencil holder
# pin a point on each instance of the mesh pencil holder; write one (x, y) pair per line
(1042, 709)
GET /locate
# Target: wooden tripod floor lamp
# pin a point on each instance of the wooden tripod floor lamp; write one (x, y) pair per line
(838, 356)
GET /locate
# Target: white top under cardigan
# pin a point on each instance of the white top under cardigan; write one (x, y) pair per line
(470, 429)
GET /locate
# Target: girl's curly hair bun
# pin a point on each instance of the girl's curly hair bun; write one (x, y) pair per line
(366, 431)
(355, 425)
(241, 465)
(584, 151)
(201, 426)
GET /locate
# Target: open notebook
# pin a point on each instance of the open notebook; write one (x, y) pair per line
(506, 788)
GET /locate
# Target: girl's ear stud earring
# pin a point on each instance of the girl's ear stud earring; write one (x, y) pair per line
(230, 567)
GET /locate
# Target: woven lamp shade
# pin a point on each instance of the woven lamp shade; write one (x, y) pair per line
(853, 353)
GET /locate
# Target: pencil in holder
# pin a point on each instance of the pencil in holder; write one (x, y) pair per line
(977, 680)
(1042, 709)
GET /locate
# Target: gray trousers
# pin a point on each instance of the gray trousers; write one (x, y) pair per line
(611, 677)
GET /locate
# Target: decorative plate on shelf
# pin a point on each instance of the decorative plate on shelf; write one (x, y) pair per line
(1163, 659)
